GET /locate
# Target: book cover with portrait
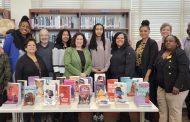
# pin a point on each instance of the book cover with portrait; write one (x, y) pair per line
(29, 95)
(49, 95)
(120, 92)
(84, 94)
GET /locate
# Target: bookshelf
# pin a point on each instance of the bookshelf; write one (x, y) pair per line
(4, 14)
(79, 20)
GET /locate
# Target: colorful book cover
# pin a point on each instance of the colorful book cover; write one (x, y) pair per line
(142, 94)
(84, 94)
(64, 94)
(76, 78)
(29, 95)
(54, 82)
(111, 88)
(23, 83)
(31, 80)
(83, 81)
(39, 86)
(72, 83)
(100, 91)
(13, 94)
(100, 78)
(49, 95)
(61, 79)
(131, 84)
(120, 92)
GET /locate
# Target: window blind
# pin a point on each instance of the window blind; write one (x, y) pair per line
(5, 4)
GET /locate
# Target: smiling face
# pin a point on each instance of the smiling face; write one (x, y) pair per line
(165, 31)
(65, 37)
(120, 40)
(79, 41)
(30, 47)
(144, 32)
(24, 28)
(99, 30)
(170, 43)
(44, 36)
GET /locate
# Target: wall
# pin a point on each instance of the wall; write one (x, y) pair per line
(19, 8)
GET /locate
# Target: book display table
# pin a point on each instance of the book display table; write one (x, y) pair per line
(74, 107)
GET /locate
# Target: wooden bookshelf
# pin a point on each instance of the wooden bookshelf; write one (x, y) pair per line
(5, 14)
(81, 20)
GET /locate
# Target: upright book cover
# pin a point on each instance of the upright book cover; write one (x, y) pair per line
(76, 78)
(84, 94)
(39, 86)
(72, 83)
(111, 88)
(142, 94)
(23, 83)
(64, 94)
(29, 95)
(31, 80)
(49, 95)
(100, 78)
(54, 82)
(13, 95)
(120, 92)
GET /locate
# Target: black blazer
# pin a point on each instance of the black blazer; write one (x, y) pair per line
(149, 54)
(173, 71)
(25, 67)
(122, 63)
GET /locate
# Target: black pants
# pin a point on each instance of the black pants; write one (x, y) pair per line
(124, 117)
(27, 117)
(3, 98)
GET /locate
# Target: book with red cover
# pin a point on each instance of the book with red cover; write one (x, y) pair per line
(111, 88)
(72, 83)
(64, 94)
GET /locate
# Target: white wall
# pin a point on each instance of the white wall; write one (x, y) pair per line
(19, 8)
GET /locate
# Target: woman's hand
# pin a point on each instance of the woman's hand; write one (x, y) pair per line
(82, 75)
(146, 78)
(175, 91)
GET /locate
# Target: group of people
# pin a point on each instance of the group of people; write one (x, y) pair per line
(164, 64)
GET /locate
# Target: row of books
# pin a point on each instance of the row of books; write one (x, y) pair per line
(63, 91)
(53, 21)
(71, 21)
(109, 22)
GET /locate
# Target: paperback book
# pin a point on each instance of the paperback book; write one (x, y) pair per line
(111, 88)
(49, 95)
(31, 80)
(84, 94)
(23, 83)
(64, 94)
(72, 84)
(39, 86)
(120, 92)
(29, 95)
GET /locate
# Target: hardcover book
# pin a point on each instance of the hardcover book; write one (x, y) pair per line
(64, 94)
(39, 86)
(49, 95)
(142, 94)
(61, 79)
(13, 95)
(111, 88)
(100, 78)
(23, 83)
(29, 95)
(84, 94)
(120, 92)
(76, 78)
(31, 80)
(72, 84)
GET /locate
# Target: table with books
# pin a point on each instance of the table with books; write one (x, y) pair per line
(68, 97)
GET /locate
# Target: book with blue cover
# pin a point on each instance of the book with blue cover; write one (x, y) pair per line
(29, 95)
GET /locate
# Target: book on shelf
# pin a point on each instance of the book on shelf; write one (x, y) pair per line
(29, 95)
(142, 98)
(23, 83)
(84, 94)
(39, 86)
(49, 95)
(120, 92)
(31, 80)
(64, 94)
(72, 83)
(13, 95)
(111, 88)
